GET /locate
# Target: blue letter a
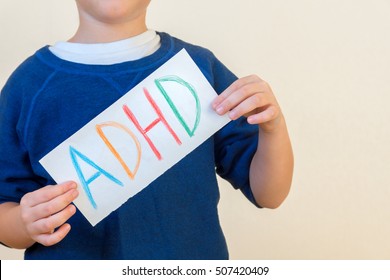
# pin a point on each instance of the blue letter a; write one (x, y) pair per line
(74, 154)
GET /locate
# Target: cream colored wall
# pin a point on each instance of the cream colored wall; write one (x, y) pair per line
(328, 63)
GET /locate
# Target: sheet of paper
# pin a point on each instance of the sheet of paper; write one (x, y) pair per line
(138, 138)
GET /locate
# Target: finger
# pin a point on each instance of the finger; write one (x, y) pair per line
(49, 224)
(47, 193)
(267, 115)
(234, 87)
(50, 239)
(254, 104)
(237, 97)
(49, 208)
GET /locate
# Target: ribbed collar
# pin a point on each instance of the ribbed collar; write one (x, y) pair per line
(158, 57)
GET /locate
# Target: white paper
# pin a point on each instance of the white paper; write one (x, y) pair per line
(111, 160)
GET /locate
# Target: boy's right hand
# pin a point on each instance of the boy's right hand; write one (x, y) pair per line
(45, 211)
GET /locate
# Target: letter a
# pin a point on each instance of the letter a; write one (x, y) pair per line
(75, 154)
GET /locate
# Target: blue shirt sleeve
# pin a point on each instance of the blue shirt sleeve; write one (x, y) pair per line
(16, 174)
(236, 143)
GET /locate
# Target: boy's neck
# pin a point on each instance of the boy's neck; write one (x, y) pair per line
(90, 32)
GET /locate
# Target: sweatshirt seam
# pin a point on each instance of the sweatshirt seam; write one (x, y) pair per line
(33, 102)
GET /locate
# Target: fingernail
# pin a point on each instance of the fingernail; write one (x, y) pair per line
(220, 110)
(232, 115)
(71, 184)
(73, 209)
(74, 193)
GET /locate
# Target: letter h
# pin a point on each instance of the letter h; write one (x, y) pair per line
(160, 118)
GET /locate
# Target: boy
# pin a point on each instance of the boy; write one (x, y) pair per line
(175, 217)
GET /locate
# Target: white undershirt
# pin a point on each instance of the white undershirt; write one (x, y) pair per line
(109, 53)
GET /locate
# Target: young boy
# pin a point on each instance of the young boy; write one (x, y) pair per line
(175, 217)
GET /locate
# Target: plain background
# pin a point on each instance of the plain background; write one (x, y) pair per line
(328, 63)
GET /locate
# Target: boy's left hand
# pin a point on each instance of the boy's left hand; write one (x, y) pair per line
(250, 97)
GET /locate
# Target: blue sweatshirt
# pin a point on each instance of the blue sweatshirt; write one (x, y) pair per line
(47, 99)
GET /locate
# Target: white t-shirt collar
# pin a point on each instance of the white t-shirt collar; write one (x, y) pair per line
(130, 49)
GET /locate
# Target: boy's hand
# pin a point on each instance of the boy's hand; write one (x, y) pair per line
(45, 211)
(250, 97)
